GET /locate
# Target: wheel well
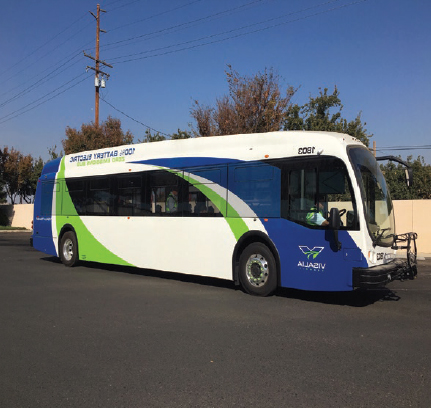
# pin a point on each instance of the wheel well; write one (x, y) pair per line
(247, 239)
(64, 229)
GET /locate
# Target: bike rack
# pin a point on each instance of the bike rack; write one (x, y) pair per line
(410, 269)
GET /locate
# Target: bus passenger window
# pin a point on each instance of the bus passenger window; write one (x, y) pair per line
(77, 193)
(258, 186)
(131, 197)
(200, 205)
(99, 199)
(165, 194)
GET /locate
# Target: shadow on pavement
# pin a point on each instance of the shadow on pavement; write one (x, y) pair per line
(201, 280)
(356, 298)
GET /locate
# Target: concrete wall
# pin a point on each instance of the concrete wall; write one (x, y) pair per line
(414, 215)
(20, 215)
(410, 215)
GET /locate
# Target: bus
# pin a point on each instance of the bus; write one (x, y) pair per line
(242, 208)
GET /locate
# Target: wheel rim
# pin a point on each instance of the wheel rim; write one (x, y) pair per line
(257, 270)
(68, 249)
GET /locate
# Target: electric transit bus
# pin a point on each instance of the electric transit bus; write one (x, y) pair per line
(243, 208)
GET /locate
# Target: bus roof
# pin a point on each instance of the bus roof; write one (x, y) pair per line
(245, 147)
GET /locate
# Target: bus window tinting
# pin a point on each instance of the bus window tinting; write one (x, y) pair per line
(198, 204)
(201, 196)
(258, 185)
(77, 192)
(131, 197)
(99, 198)
(165, 193)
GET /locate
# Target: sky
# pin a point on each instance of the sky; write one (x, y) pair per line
(166, 54)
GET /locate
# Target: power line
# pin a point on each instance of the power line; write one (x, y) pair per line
(50, 75)
(46, 54)
(189, 23)
(154, 15)
(24, 110)
(124, 5)
(233, 30)
(42, 80)
(402, 147)
(206, 18)
(135, 120)
(394, 148)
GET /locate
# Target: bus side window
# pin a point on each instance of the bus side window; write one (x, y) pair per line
(201, 197)
(258, 186)
(76, 190)
(304, 181)
(302, 193)
(165, 193)
(130, 197)
(99, 198)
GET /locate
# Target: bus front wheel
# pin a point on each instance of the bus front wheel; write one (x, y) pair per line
(69, 249)
(258, 270)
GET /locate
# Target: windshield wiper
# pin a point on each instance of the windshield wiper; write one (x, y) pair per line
(379, 237)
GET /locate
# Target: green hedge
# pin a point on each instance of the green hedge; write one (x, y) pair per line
(4, 220)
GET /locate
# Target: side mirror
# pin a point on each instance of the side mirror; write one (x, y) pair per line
(409, 170)
(335, 224)
(409, 176)
(334, 219)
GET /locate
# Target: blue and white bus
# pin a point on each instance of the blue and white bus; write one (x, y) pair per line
(242, 208)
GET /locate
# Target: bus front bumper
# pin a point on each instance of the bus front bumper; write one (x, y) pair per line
(381, 275)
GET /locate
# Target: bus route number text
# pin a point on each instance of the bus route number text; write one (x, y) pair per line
(306, 150)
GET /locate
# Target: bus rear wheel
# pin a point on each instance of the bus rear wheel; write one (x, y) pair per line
(258, 270)
(69, 249)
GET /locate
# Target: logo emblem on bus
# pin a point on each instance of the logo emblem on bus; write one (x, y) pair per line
(310, 252)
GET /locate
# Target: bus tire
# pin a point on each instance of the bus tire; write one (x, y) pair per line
(69, 249)
(258, 270)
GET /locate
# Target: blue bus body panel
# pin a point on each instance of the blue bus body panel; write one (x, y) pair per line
(308, 259)
(42, 217)
(51, 167)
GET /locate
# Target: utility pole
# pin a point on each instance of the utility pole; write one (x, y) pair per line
(97, 82)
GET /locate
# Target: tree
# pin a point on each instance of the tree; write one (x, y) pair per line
(52, 152)
(149, 137)
(91, 137)
(254, 105)
(10, 172)
(25, 173)
(36, 173)
(19, 174)
(396, 180)
(181, 134)
(319, 114)
(157, 137)
(2, 192)
(2, 181)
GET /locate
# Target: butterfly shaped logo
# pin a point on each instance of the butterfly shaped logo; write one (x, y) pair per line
(310, 252)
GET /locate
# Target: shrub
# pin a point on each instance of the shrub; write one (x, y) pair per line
(4, 220)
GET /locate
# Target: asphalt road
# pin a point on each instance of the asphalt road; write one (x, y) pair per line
(104, 336)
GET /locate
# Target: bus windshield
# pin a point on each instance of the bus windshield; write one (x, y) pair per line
(379, 211)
